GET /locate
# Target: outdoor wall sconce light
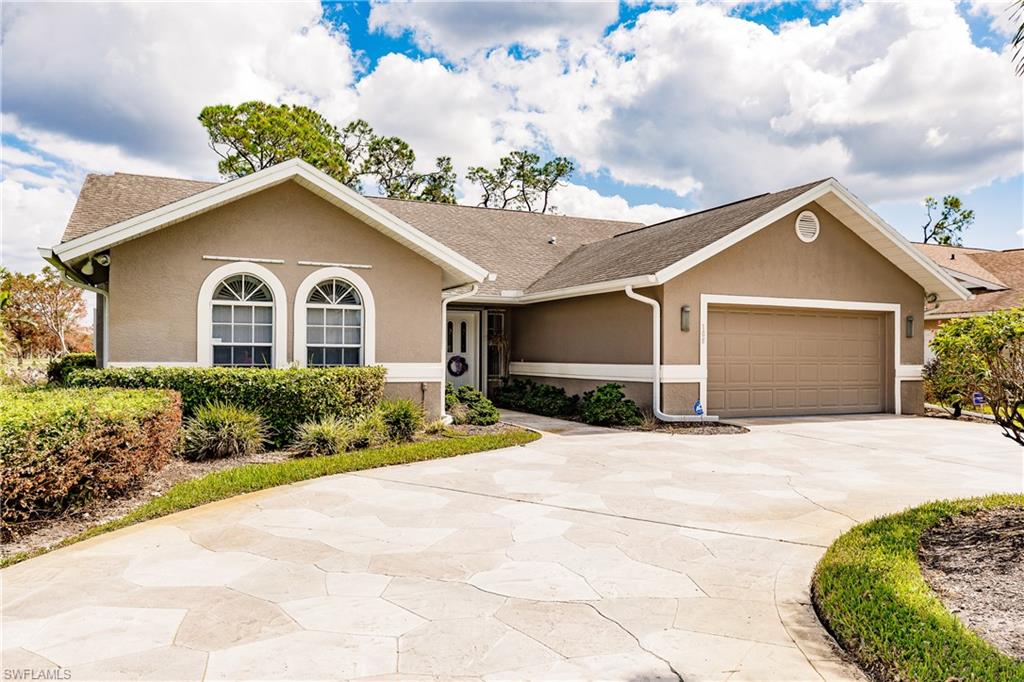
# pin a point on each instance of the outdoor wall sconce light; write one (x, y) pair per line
(684, 318)
(910, 326)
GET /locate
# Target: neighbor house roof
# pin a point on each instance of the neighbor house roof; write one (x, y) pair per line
(1001, 271)
(533, 256)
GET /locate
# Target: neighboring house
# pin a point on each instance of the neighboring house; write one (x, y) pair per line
(996, 278)
(801, 301)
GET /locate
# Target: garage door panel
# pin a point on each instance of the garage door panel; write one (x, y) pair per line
(786, 361)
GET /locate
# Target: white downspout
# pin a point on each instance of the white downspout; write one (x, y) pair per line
(445, 300)
(656, 362)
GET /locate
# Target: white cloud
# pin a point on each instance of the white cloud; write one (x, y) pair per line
(135, 75)
(582, 201)
(32, 216)
(1000, 15)
(696, 100)
(459, 29)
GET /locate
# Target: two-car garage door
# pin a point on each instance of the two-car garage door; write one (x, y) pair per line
(770, 361)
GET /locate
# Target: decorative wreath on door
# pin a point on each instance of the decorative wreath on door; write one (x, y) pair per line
(457, 365)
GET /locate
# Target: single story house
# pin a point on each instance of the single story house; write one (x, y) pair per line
(801, 301)
(996, 278)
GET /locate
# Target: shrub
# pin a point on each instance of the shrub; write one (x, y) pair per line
(328, 435)
(479, 411)
(61, 448)
(402, 418)
(942, 386)
(450, 399)
(985, 354)
(220, 430)
(472, 407)
(607, 405)
(59, 368)
(543, 399)
(284, 397)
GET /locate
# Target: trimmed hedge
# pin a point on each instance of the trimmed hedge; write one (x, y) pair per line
(60, 448)
(470, 406)
(285, 398)
(59, 368)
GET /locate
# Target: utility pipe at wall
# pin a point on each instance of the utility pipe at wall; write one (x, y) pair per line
(656, 362)
(445, 300)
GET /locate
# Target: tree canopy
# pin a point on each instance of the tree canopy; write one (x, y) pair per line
(40, 314)
(255, 135)
(946, 225)
(521, 181)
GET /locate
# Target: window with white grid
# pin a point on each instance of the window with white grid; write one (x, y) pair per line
(334, 325)
(243, 323)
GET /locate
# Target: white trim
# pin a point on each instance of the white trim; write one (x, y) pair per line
(458, 268)
(683, 374)
(413, 372)
(369, 312)
(812, 303)
(239, 259)
(154, 364)
(204, 312)
(671, 374)
(909, 372)
(975, 282)
(582, 370)
(318, 264)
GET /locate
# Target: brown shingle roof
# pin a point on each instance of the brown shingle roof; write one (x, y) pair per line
(999, 267)
(108, 199)
(649, 249)
(514, 244)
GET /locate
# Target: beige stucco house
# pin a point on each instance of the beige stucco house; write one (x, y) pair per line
(801, 301)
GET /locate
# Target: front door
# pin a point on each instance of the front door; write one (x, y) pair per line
(462, 366)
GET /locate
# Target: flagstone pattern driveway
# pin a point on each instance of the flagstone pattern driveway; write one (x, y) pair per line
(590, 554)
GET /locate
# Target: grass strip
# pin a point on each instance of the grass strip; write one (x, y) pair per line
(869, 591)
(252, 477)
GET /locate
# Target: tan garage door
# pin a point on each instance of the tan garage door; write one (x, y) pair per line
(777, 361)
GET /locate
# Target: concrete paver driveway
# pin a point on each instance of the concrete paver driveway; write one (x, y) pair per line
(590, 554)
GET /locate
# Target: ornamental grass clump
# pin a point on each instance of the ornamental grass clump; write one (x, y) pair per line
(402, 418)
(328, 435)
(218, 430)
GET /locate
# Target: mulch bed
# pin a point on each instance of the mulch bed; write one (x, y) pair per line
(697, 428)
(975, 563)
(47, 533)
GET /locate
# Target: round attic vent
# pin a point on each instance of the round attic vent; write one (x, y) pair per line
(807, 226)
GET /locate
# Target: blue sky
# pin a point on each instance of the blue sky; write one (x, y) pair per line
(664, 109)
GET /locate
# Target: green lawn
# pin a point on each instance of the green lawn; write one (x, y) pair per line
(869, 591)
(252, 477)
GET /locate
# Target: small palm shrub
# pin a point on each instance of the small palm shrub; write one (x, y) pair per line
(222, 430)
(328, 435)
(607, 405)
(402, 418)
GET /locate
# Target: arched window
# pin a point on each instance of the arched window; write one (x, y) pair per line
(243, 322)
(334, 324)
